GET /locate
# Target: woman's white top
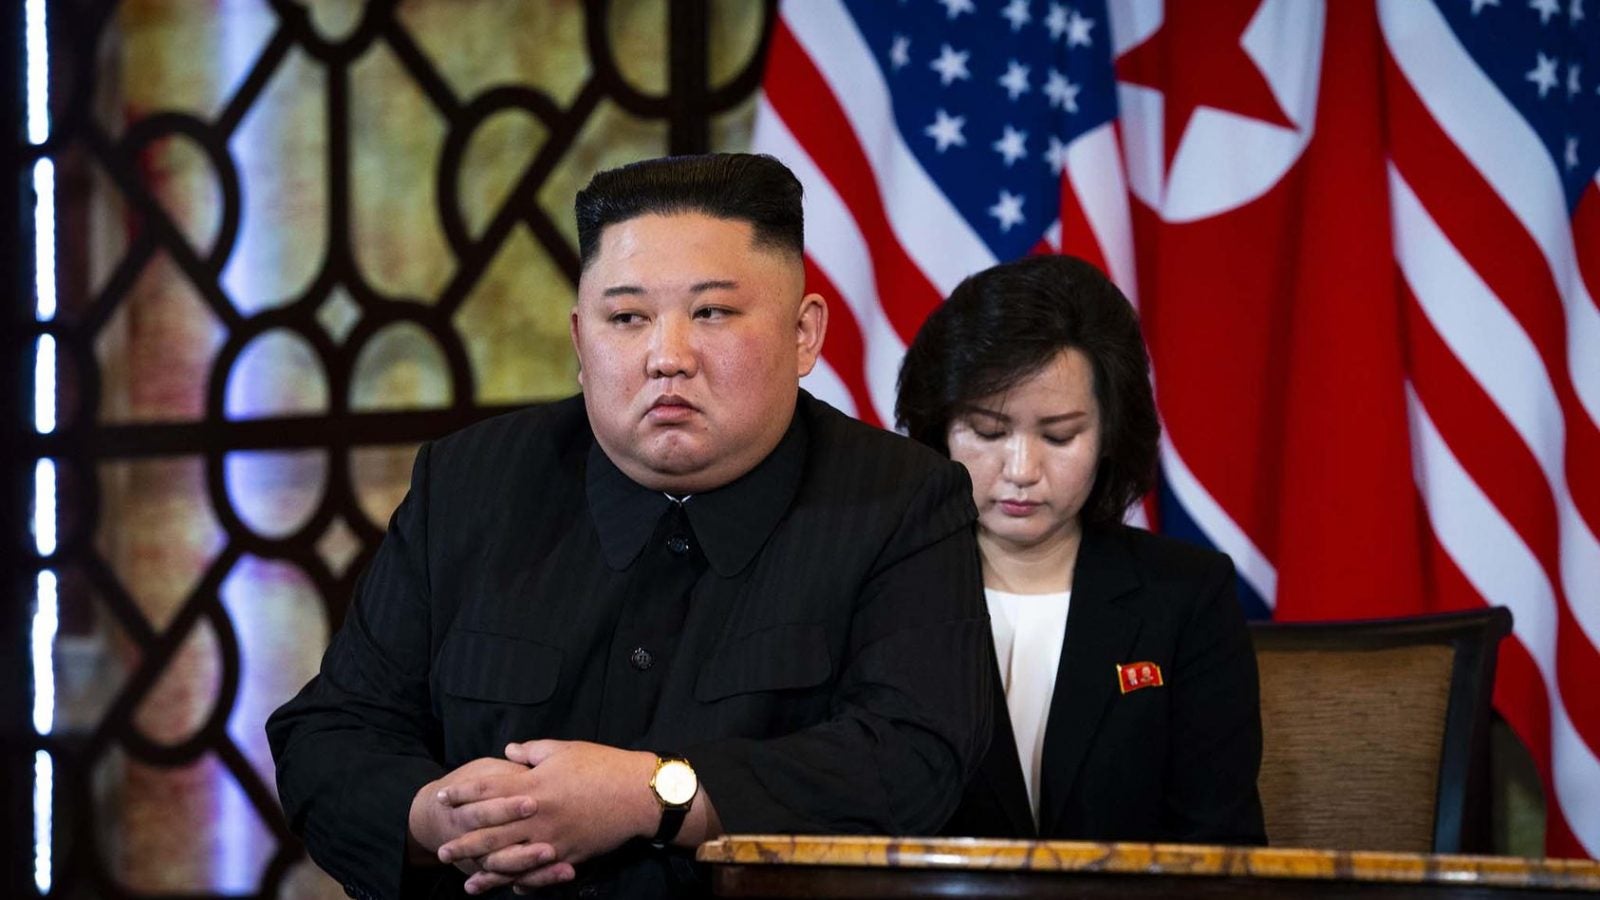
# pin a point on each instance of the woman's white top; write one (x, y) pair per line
(1029, 630)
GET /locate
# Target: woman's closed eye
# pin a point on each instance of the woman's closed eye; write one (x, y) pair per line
(985, 427)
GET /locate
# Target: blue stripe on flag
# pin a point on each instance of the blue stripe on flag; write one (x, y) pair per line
(1176, 522)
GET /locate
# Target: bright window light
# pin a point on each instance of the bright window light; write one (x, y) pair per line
(44, 785)
(45, 622)
(44, 385)
(46, 613)
(44, 498)
(38, 52)
(44, 248)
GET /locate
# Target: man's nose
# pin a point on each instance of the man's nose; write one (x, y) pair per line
(671, 349)
(1022, 460)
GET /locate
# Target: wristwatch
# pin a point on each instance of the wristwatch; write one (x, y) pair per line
(674, 784)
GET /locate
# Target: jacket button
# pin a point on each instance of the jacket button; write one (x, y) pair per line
(678, 544)
(641, 659)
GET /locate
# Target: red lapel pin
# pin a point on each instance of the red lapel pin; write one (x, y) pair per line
(1135, 675)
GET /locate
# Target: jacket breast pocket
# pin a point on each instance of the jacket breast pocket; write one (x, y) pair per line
(777, 658)
(497, 668)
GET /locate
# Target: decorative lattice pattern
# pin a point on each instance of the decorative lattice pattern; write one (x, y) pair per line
(232, 435)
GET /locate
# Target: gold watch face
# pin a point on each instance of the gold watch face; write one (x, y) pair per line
(675, 782)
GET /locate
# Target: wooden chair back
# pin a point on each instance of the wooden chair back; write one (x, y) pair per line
(1376, 733)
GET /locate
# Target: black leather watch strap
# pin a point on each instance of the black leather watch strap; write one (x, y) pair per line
(671, 823)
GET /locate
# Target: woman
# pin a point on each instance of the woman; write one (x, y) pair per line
(1130, 707)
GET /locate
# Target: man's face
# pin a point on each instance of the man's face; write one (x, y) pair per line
(691, 342)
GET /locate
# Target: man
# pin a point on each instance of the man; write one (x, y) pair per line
(693, 600)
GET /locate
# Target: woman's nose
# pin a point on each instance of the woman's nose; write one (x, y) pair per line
(1022, 460)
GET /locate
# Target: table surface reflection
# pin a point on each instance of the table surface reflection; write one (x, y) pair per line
(879, 867)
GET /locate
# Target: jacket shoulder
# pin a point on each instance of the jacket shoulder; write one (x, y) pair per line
(835, 435)
(514, 458)
(541, 427)
(1161, 558)
(908, 494)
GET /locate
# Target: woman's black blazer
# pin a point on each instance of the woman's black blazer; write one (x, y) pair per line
(1175, 762)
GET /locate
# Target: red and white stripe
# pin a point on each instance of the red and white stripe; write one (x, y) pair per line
(881, 237)
(1096, 225)
(1504, 399)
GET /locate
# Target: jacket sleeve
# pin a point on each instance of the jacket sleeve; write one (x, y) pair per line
(1215, 741)
(357, 743)
(910, 713)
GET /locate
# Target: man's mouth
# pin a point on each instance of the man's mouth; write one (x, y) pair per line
(669, 409)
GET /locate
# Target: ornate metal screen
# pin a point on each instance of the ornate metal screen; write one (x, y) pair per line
(295, 240)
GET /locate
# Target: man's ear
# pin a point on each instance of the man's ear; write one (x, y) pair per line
(577, 341)
(810, 328)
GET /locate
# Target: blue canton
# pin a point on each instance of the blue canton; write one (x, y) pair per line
(1544, 56)
(988, 94)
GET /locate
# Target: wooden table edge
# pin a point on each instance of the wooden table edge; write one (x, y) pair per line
(1198, 860)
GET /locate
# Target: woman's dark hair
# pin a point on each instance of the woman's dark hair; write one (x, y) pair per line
(1007, 322)
(745, 187)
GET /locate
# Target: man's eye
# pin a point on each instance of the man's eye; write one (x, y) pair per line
(712, 312)
(624, 318)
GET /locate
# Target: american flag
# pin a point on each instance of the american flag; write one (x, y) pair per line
(932, 140)
(1364, 236)
(1494, 120)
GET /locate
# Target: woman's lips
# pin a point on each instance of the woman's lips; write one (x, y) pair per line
(1018, 507)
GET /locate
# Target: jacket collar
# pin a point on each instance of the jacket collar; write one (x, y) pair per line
(1100, 633)
(730, 523)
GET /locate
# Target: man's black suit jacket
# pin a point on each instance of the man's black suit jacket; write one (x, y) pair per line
(832, 670)
(1171, 763)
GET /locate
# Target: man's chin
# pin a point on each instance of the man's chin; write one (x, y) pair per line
(672, 451)
(677, 482)
(672, 469)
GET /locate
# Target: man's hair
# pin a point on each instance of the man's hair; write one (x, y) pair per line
(1006, 323)
(745, 187)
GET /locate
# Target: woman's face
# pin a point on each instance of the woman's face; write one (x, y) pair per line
(1031, 452)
